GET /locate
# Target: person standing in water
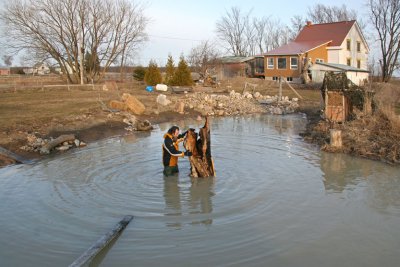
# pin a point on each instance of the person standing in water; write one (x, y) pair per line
(171, 151)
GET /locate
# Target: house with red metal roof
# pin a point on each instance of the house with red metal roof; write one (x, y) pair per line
(316, 48)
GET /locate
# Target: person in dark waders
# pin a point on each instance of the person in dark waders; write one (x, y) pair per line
(171, 150)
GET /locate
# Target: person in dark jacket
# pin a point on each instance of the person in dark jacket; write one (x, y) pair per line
(171, 150)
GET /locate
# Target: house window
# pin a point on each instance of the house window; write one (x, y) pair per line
(270, 63)
(348, 61)
(348, 44)
(358, 64)
(319, 60)
(358, 46)
(274, 78)
(281, 63)
(294, 63)
(289, 79)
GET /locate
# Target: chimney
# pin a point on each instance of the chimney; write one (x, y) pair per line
(309, 23)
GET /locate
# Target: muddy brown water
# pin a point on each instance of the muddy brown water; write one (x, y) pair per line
(276, 201)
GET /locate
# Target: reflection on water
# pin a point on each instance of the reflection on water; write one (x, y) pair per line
(381, 181)
(198, 201)
(277, 201)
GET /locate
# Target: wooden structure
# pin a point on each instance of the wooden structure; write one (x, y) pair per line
(201, 162)
(337, 106)
(89, 254)
(181, 90)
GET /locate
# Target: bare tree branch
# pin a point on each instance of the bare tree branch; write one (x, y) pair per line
(385, 17)
(107, 30)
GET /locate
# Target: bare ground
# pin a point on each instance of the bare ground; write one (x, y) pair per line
(29, 107)
(46, 108)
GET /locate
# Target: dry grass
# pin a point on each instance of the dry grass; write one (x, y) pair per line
(22, 108)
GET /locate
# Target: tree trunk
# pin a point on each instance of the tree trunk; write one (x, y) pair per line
(201, 162)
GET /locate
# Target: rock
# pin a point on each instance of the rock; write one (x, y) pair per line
(144, 126)
(257, 95)
(295, 99)
(180, 107)
(77, 142)
(133, 104)
(31, 138)
(62, 148)
(162, 100)
(277, 111)
(82, 144)
(114, 104)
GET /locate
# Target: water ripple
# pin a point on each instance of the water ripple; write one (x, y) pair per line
(272, 192)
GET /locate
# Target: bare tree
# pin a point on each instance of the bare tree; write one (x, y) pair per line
(320, 13)
(385, 17)
(7, 59)
(244, 35)
(203, 57)
(231, 30)
(297, 24)
(64, 31)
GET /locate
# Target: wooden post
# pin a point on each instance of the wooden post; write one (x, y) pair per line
(280, 89)
(336, 138)
(102, 242)
(293, 90)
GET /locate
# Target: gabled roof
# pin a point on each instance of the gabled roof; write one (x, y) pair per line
(296, 48)
(341, 67)
(335, 31)
(233, 59)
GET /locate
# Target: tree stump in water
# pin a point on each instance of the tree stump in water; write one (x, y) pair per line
(336, 138)
(199, 144)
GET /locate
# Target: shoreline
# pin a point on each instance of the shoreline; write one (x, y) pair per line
(316, 132)
(94, 133)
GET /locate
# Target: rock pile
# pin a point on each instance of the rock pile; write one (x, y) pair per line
(45, 145)
(237, 103)
(133, 124)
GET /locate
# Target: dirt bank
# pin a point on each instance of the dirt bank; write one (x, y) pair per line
(48, 111)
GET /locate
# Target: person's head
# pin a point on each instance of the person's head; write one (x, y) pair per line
(174, 131)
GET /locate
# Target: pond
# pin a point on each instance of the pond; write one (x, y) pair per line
(276, 201)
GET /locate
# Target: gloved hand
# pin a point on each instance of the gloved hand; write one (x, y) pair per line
(187, 153)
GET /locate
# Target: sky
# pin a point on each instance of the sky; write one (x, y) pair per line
(178, 25)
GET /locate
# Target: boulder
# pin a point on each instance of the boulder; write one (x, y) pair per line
(114, 104)
(180, 107)
(133, 104)
(162, 100)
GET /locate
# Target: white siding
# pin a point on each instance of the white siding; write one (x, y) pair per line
(318, 74)
(354, 36)
(334, 55)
